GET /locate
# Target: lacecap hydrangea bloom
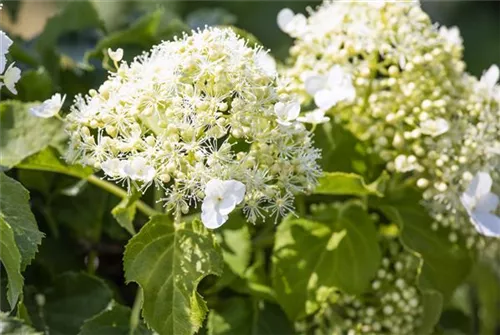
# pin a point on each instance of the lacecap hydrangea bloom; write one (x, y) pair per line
(398, 83)
(206, 118)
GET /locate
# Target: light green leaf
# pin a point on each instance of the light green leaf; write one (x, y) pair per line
(445, 264)
(248, 317)
(124, 212)
(234, 239)
(13, 326)
(432, 304)
(115, 320)
(313, 259)
(11, 260)
(168, 263)
(15, 210)
(74, 298)
(341, 183)
(21, 134)
(48, 160)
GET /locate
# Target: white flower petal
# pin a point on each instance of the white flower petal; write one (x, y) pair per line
(480, 185)
(5, 43)
(490, 77)
(486, 224)
(293, 110)
(285, 16)
(11, 77)
(213, 219)
(315, 117)
(325, 99)
(49, 107)
(236, 190)
(487, 203)
(116, 55)
(266, 62)
(315, 83)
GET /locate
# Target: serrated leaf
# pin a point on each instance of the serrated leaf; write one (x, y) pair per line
(11, 260)
(124, 212)
(48, 160)
(313, 259)
(74, 298)
(115, 320)
(21, 134)
(445, 264)
(341, 183)
(245, 316)
(168, 263)
(15, 210)
(13, 326)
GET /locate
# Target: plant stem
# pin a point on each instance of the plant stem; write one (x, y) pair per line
(136, 311)
(121, 193)
(157, 197)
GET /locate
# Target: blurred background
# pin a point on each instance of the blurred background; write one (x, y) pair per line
(479, 21)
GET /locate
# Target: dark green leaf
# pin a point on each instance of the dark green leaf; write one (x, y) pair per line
(313, 259)
(21, 134)
(34, 85)
(432, 304)
(74, 298)
(248, 317)
(341, 183)
(115, 320)
(11, 260)
(445, 264)
(486, 284)
(13, 326)
(15, 210)
(168, 263)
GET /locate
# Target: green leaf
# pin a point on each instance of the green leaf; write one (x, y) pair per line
(11, 260)
(34, 85)
(115, 320)
(313, 259)
(13, 326)
(486, 284)
(142, 33)
(168, 263)
(445, 264)
(248, 317)
(432, 304)
(341, 183)
(74, 298)
(124, 212)
(48, 160)
(15, 210)
(234, 239)
(22, 134)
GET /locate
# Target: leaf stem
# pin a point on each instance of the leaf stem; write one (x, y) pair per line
(121, 193)
(136, 311)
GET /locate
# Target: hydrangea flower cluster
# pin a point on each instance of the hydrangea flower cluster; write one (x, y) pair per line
(10, 76)
(195, 113)
(398, 83)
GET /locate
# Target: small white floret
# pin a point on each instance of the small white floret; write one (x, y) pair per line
(221, 197)
(11, 77)
(116, 55)
(434, 127)
(317, 116)
(287, 112)
(49, 107)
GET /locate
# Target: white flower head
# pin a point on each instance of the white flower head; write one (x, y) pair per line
(434, 127)
(11, 77)
(221, 197)
(115, 55)
(291, 23)
(287, 112)
(49, 107)
(114, 168)
(317, 116)
(139, 169)
(266, 62)
(331, 89)
(480, 202)
(451, 34)
(490, 78)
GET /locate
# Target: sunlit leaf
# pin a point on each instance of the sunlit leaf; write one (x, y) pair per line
(11, 260)
(124, 212)
(168, 263)
(341, 183)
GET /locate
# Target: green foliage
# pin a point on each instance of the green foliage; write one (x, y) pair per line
(168, 263)
(312, 259)
(22, 135)
(14, 326)
(248, 317)
(74, 298)
(341, 183)
(11, 260)
(124, 212)
(35, 85)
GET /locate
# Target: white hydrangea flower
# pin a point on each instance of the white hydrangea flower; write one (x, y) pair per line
(115, 55)
(180, 115)
(490, 77)
(480, 204)
(317, 116)
(49, 107)
(331, 89)
(287, 112)
(452, 34)
(5, 43)
(11, 77)
(434, 127)
(221, 197)
(291, 23)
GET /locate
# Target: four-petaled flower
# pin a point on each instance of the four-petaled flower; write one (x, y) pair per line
(49, 107)
(480, 202)
(330, 89)
(138, 169)
(221, 197)
(287, 112)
